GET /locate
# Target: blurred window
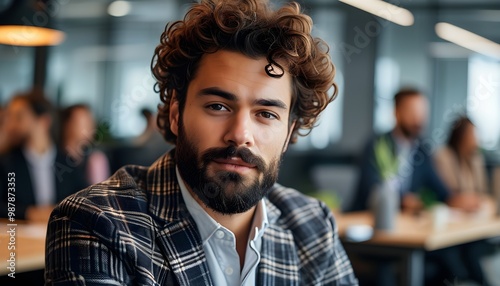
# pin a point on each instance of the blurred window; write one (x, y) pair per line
(483, 99)
(387, 76)
(328, 25)
(16, 70)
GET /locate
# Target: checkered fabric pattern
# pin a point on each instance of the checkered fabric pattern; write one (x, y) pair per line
(134, 229)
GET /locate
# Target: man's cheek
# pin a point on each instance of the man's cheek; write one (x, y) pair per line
(268, 136)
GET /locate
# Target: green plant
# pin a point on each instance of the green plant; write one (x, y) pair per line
(428, 197)
(385, 160)
(329, 197)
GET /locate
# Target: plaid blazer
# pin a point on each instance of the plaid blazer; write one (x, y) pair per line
(135, 229)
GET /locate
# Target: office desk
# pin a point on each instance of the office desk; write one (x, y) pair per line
(413, 236)
(29, 246)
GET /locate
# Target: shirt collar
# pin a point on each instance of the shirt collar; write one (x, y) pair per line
(402, 143)
(260, 221)
(46, 158)
(207, 225)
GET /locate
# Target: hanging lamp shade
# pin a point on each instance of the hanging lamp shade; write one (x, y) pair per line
(28, 23)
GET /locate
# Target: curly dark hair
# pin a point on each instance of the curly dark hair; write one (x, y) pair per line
(252, 28)
(404, 93)
(457, 132)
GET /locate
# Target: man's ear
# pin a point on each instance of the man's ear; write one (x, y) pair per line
(173, 116)
(290, 131)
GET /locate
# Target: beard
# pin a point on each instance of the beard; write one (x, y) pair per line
(225, 192)
(411, 131)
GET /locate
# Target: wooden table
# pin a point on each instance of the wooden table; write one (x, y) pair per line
(408, 242)
(29, 246)
(413, 236)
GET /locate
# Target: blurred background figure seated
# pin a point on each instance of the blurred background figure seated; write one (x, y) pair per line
(406, 159)
(43, 175)
(462, 168)
(78, 130)
(402, 156)
(142, 150)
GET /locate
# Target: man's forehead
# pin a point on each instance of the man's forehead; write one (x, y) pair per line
(234, 59)
(414, 99)
(228, 69)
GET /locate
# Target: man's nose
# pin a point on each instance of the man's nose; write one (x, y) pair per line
(239, 132)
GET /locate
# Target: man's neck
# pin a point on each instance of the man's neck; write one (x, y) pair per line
(40, 144)
(401, 137)
(238, 224)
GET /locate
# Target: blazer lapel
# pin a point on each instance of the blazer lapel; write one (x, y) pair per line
(181, 245)
(24, 184)
(177, 235)
(279, 263)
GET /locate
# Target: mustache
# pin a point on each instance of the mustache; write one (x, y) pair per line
(228, 152)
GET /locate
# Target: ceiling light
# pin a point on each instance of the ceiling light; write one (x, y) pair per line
(383, 10)
(27, 23)
(119, 8)
(467, 39)
(29, 36)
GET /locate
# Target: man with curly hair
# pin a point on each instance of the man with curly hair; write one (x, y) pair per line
(237, 81)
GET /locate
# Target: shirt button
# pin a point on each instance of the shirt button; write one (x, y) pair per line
(229, 271)
(219, 234)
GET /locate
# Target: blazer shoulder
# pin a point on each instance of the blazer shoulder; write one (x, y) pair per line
(124, 192)
(302, 214)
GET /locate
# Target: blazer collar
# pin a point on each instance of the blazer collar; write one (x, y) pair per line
(279, 255)
(180, 242)
(164, 194)
(176, 233)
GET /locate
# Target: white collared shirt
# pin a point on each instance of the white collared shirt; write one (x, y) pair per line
(41, 169)
(219, 243)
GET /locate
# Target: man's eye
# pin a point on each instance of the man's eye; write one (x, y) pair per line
(268, 115)
(217, 107)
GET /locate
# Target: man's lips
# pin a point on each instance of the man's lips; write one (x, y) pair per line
(237, 162)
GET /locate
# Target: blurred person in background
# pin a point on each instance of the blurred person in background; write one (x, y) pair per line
(415, 174)
(78, 130)
(150, 128)
(462, 168)
(151, 136)
(415, 168)
(42, 174)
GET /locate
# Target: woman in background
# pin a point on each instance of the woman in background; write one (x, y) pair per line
(77, 139)
(461, 165)
(462, 168)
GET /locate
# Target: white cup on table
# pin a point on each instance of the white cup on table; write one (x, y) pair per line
(440, 215)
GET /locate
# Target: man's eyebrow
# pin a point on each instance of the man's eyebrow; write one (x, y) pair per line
(271, 102)
(232, 97)
(218, 92)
